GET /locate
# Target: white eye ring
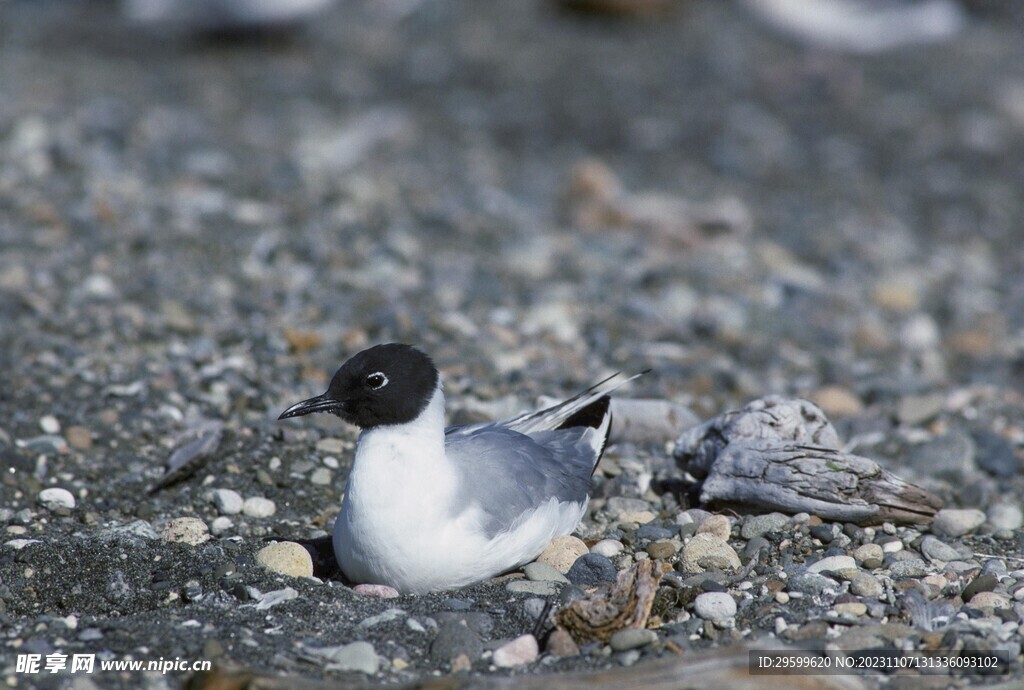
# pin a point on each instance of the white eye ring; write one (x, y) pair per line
(376, 380)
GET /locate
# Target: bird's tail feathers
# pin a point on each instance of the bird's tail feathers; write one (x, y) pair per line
(589, 408)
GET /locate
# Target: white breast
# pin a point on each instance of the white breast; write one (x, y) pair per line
(397, 527)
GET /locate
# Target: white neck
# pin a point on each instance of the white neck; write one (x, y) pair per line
(402, 455)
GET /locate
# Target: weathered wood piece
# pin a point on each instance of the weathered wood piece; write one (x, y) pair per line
(782, 454)
(608, 609)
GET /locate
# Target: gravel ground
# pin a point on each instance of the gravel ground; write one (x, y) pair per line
(196, 233)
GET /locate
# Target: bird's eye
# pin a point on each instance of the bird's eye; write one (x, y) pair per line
(376, 380)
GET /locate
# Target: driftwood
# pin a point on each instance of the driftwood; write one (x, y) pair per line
(782, 454)
(722, 668)
(626, 604)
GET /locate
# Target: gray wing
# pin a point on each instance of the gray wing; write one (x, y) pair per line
(507, 473)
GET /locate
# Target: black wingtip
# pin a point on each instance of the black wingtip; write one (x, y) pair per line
(590, 416)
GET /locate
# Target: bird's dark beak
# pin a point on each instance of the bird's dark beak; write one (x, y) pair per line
(320, 403)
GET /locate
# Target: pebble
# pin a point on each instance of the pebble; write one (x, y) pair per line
(542, 572)
(982, 583)
(56, 498)
(387, 616)
(837, 401)
(759, 525)
(642, 517)
(591, 569)
(811, 584)
(560, 643)
(832, 564)
(823, 533)
(853, 608)
(717, 607)
(950, 456)
(995, 454)
(937, 550)
(717, 525)
(990, 600)
(321, 476)
(562, 552)
(956, 522)
(540, 589)
(79, 437)
(258, 507)
(865, 585)
(632, 638)
(522, 650)
(278, 596)
(453, 639)
(913, 410)
(754, 546)
(663, 548)
(782, 597)
(913, 567)
(355, 656)
(228, 501)
(186, 530)
(653, 532)
(378, 591)
(49, 424)
(286, 558)
(220, 525)
(616, 506)
(869, 555)
(1005, 516)
(707, 552)
(609, 548)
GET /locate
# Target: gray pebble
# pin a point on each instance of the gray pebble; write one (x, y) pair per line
(534, 607)
(632, 638)
(620, 505)
(541, 589)
(453, 639)
(653, 532)
(865, 585)
(914, 567)
(812, 584)
(55, 498)
(542, 572)
(950, 456)
(355, 656)
(258, 507)
(995, 454)
(955, 522)
(227, 501)
(982, 583)
(1005, 516)
(823, 533)
(753, 546)
(591, 569)
(717, 607)
(759, 525)
(937, 550)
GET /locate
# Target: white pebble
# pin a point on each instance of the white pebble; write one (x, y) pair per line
(522, 650)
(609, 548)
(55, 497)
(186, 530)
(220, 525)
(258, 507)
(49, 424)
(228, 502)
(1005, 516)
(832, 563)
(717, 607)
